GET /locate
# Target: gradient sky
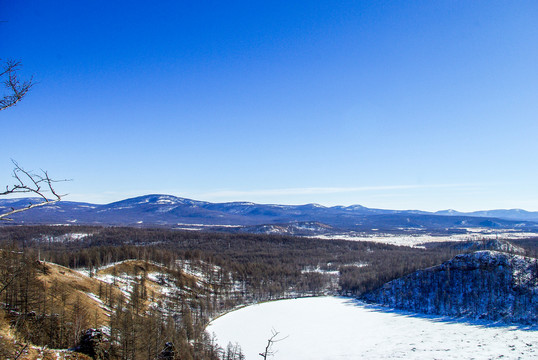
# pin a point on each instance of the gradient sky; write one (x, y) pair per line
(393, 104)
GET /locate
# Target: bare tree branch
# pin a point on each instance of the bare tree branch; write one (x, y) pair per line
(16, 89)
(39, 184)
(273, 339)
(20, 352)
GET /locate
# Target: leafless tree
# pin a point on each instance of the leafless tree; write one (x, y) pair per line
(15, 88)
(29, 182)
(270, 342)
(35, 183)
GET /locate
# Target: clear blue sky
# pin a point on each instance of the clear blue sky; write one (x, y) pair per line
(394, 104)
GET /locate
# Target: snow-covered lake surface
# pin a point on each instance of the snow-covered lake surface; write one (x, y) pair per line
(343, 328)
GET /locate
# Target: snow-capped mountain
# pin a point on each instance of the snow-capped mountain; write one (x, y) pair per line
(508, 214)
(171, 211)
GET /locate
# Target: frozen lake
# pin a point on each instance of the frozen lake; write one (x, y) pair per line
(342, 328)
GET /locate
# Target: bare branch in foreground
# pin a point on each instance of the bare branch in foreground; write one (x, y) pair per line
(39, 184)
(16, 89)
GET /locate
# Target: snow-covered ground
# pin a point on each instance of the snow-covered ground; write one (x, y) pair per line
(345, 329)
(64, 238)
(420, 239)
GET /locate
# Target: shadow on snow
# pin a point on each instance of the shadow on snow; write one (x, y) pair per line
(438, 318)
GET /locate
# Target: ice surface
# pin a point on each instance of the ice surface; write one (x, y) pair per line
(345, 329)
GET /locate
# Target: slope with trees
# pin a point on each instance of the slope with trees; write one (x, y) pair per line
(485, 284)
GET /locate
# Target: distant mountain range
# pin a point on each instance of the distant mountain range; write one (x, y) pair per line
(309, 219)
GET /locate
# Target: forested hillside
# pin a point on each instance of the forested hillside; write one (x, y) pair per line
(484, 284)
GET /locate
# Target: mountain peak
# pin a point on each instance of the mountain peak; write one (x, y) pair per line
(314, 205)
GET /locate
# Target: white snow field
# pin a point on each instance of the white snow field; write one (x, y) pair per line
(342, 328)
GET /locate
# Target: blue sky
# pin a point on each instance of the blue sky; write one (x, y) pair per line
(395, 104)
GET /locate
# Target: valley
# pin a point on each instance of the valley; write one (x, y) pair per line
(121, 281)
